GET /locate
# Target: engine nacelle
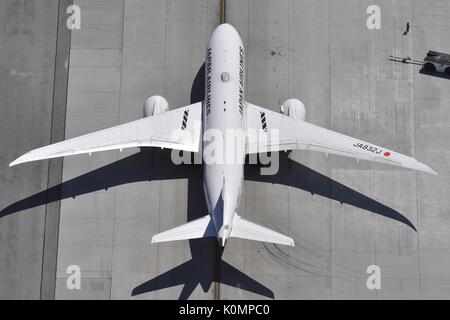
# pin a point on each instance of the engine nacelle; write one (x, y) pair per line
(294, 108)
(155, 105)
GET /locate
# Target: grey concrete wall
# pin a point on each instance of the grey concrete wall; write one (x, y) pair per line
(125, 52)
(322, 53)
(318, 51)
(32, 106)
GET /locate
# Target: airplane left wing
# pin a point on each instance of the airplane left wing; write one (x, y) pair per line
(178, 129)
(300, 135)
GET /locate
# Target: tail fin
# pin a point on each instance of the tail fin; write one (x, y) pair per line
(252, 231)
(200, 228)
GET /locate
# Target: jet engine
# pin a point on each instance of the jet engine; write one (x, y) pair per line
(155, 105)
(294, 108)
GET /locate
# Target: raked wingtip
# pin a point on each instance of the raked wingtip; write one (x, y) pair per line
(20, 160)
(15, 162)
(427, 169)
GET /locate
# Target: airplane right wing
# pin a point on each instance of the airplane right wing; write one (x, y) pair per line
(178, 129)
(300, 135)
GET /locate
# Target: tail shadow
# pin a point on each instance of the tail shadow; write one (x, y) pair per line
(206, 265)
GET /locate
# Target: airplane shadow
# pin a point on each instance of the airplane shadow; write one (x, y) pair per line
(206, 265)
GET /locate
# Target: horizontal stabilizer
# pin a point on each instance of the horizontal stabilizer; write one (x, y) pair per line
(248, 230)
(200, 228)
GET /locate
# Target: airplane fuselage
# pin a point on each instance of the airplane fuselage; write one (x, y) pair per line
(223, 127)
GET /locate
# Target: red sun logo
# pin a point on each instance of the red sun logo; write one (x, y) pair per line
(387, 154)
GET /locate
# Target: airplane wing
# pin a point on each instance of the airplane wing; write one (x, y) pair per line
(178, 129)
(300, 135)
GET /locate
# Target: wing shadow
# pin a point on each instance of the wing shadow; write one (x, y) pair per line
(148, 165)
(294, 174)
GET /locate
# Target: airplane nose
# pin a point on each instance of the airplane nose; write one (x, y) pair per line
(225, 30)
(226, 27)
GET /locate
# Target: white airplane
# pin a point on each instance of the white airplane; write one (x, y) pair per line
(223, 108)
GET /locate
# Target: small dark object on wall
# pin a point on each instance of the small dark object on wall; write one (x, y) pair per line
(407, 29)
